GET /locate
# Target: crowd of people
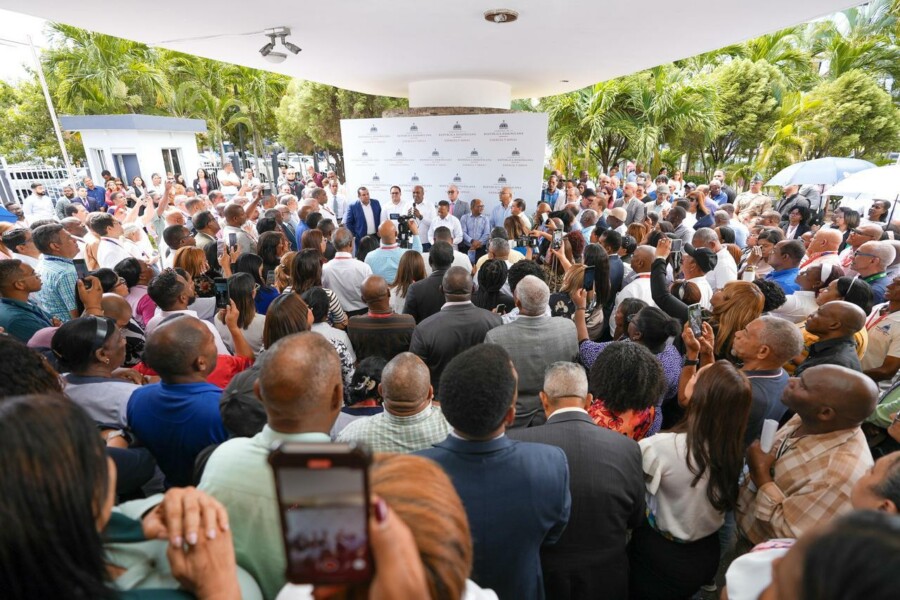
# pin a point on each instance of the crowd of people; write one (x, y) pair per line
(634, 387)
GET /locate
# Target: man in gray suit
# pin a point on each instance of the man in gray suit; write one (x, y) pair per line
(456, 327)
(635, 209)
(534, 341)
(607, 485)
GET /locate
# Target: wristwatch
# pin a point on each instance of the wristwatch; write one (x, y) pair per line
(687, 362)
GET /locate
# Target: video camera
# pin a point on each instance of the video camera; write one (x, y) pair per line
(403, 233)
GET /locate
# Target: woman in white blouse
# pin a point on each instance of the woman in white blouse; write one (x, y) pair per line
(242, 290)
(691, 475)
(802, 303)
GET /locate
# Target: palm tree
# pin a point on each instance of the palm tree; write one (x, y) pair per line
(221, 113)
(567, 131)
(859, 38)
(784, 49)
(609, 126)
(96, 73)
(255, 91)
(786, 141)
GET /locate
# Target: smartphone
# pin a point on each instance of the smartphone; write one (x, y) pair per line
(544, 217)
(695, 318)
(232, 240)
(677, 245)
(557, 239)
(80, 268)
(270, 278)
(589, 274)
(223, 299)
(323, 499)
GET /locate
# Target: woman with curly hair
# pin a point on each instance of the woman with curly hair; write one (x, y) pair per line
(626, 381)
(733, 307)
(193, 260)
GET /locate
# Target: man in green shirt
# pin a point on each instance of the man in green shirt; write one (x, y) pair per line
(301, 389)
(19, 316)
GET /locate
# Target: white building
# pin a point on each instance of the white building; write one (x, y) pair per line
(131, 145)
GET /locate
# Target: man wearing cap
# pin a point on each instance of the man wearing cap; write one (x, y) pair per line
(695, 264)
(661, 204)
(616, 220)
(753, 202)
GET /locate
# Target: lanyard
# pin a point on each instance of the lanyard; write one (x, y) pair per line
(816, 257)
(872, 322)
(875, 277)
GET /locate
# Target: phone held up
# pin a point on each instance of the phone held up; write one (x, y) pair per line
(323, 499)
(695, 318)
(589, 274)
(223, 299)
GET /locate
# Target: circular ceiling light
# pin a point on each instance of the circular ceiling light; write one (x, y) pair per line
(276, 57)
(500, 15)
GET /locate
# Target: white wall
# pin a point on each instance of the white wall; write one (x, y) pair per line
(147, 145)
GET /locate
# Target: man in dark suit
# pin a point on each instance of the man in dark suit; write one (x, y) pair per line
(456, 327)
(516, 494)
(363, 216)
(534, 340)
(424, 298)
(607, 485)
(611, 241)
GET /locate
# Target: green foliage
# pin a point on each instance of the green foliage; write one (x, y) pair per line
(26, 131)
(310, 113)
(854, 116)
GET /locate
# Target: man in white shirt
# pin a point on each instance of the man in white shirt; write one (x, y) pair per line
(111, 250)
(517, 209)
(173, 294)
(445, 219)
(639, 288)
(229, 182)
(442, 234)
(344, 274)
(423, 211)
(233, 234)
(251, 181)
(726, 269)
(336, 200)
(19, 242)
(397, 206)
(38, 205)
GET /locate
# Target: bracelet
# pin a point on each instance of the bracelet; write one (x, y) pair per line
(687, 362)
(580, 308)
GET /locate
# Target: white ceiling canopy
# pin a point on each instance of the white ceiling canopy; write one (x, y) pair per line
(421, 47)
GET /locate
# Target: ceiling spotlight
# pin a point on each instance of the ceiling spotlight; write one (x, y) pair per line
(275, 57)
(292, 47)
(265, 50)
(501, 15)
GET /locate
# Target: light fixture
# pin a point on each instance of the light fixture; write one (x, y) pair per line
(276, 57)
(281, 33)
(500, 15)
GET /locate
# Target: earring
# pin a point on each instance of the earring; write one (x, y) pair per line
(106, 360)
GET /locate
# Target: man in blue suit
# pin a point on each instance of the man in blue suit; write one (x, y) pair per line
(363, 216)
(516, 494)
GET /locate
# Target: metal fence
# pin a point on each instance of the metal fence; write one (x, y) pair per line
(16, 180)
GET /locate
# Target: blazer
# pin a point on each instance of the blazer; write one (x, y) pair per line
(454, 329)
(424, 298)
(534, 343)
(801, 229)
(517, 498)
(288, 230)
(606, 480)
(355, 220)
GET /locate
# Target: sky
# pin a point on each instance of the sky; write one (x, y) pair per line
(18, 27)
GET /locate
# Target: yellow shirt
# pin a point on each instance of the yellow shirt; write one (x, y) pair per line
(861, 338)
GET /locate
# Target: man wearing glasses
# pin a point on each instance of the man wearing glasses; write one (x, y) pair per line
(858, 236)
(458, 207)
(22, 246)
(20, 317)
(871, 262)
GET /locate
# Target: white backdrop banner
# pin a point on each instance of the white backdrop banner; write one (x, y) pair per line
(480, 154)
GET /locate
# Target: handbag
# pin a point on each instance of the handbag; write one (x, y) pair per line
(595, 322)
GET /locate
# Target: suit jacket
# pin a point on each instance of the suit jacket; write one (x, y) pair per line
(291, 233)
(356, 219)
(424, 298)
(607, 485)
(517, 498)
(452, 330)
(534, 343)
(801, 229)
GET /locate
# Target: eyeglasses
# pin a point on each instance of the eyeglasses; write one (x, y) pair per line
(858, 253)
(858, 232)
(121, 281)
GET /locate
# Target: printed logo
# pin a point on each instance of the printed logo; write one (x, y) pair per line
(373, 129)
(515, 152)
(504, 125)
(414, 178)
(501, 179)
(474, 152)
(435, 153)
(413, 127)
(375, 177)
(398, 153)
(457, 178)
(457, 127)
(365, 154)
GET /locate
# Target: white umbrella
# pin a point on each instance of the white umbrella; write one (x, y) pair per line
(827, 171)
(881, 183)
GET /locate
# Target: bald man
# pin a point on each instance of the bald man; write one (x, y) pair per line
(410, 421)
(456, 327)
(639, 288)
(823, 249)
(835, 323)
(380, 332)
(116, 307)
(817, 457)
(858, 236)
(178, 417)
(385, 259)
(238, 473)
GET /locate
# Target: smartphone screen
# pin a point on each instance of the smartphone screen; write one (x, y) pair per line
(677, 245)
(223, 300)
(270, 278)
(323, 499)
(695, 318)
(232, 240)
(80, 267)
(589, 278)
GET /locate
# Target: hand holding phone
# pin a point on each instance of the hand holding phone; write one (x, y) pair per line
(589, 274)
(695, 319)
(223, 299)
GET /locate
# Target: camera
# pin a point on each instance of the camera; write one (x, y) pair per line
(404, 235)
(526, 241)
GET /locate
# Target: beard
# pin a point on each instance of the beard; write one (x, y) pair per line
(192, 300)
